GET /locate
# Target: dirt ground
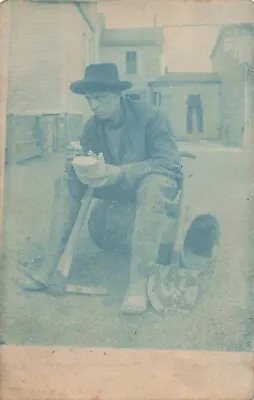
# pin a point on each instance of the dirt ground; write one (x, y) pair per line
(221, 184)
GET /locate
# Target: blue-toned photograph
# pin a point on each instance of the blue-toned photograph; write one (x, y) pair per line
(128, 175)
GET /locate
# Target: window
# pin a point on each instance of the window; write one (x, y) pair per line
(131, 62)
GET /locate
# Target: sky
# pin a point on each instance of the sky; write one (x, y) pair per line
(187, 48)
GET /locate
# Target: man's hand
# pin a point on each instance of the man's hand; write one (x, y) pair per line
(102, 175)
(112, 174)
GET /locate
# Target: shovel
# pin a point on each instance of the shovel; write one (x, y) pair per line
(159, 293)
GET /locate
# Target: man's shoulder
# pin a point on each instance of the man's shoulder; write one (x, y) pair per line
(147, 110)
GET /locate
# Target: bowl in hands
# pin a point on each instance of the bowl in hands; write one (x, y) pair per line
(89, 168)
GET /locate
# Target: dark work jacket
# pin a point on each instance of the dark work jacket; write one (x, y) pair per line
(147, 144)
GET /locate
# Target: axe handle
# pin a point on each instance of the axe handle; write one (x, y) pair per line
(66, 258)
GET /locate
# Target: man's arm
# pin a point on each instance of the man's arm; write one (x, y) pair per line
(163, 155)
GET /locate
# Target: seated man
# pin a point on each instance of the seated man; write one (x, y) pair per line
(142, 168)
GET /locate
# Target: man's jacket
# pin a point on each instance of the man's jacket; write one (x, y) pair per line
(146, 144)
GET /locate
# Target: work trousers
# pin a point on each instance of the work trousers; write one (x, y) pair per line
(141, 219)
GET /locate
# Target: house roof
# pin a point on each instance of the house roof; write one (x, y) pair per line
(185, 77)
(154, 35)
(227, 29)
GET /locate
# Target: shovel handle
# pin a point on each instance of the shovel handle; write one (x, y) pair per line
(178, 244)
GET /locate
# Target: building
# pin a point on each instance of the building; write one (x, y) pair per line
(4, 29)
(50, 44)
(176, 94)
(233, 59)
(226, 93)
(4, 35)
(137, 53)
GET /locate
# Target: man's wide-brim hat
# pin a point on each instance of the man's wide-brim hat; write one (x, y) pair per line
(100, 77)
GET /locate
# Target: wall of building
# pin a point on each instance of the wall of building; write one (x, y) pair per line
(231, 56)
(173, 99)
(232, 97)
(34, 74)
(148, 63)
(50, 45)
(4, 49)
(147, 66)
(81, 47)
(45, 56)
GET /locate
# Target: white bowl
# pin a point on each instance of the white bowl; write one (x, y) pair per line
(88, 166)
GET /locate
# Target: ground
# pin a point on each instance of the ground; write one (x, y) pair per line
(221, 184)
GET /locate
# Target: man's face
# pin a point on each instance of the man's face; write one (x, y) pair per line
(104, 105)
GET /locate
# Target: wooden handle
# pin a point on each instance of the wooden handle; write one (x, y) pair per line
(66, 258)
(178, 244)
(87, 290)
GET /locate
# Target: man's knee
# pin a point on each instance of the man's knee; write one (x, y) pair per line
(156, 188)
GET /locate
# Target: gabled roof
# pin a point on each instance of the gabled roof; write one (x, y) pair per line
(154, 35)
(185, 77)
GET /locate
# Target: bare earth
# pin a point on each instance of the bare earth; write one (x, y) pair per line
(221, 184)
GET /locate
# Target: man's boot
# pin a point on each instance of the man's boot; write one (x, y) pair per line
(64, 213)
